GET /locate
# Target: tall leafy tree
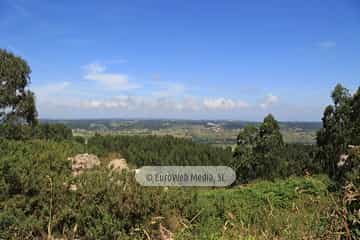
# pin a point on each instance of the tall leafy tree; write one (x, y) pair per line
(325, 139)
(244, 159)
(17, 103)
(258, 153)
(355, 117)
(269, 147)
(339, 150)
(340, 128)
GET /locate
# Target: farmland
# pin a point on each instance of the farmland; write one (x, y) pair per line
(217, 133)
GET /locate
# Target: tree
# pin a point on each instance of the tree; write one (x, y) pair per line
(269, 148)
(355, 117)
(325, 140)
(17, 103)
(341, 128)
(339, 151)
(244, 158)
(259, 151)
(270, 127)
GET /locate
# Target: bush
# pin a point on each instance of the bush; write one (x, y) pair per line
(35, 180)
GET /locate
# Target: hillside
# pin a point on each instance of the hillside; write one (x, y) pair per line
(36, 201)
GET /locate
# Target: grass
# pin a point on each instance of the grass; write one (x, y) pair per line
(295, 208)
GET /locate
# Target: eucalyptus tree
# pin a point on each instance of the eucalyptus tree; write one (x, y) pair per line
(17, 102)
(341, 129)
(258, 153)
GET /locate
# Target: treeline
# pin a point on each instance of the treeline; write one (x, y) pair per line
(260, 153)
(155, 150)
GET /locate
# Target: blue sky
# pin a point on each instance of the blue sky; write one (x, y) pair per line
(184, 59)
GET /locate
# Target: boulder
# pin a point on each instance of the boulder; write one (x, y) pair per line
(118, 165)
(82, 162)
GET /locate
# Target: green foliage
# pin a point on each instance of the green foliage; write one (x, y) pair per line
(25, 171)
(261, 153)
(244, 156)
(79, 139)
(338, 142)
(285, 209)
(15, 131)
(355, 117)
(55, 132)
(258, 151)
(17, 104)
(40, 131)
(299, 159)
(35, 179)
(340, 130)
(35, 193)
(268, 147)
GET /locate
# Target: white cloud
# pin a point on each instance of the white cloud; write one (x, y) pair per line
(269, 100)
(327, 44)
(224, 104)
(165, 104)
(162, 98)
(96, 72)
(117, 102)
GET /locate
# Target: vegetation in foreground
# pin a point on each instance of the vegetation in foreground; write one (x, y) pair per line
(36, 201)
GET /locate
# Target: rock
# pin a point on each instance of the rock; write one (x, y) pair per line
(83, 162)
(118, 165)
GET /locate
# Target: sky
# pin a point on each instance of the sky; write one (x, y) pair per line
(237, 60)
